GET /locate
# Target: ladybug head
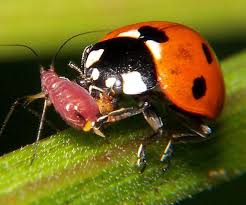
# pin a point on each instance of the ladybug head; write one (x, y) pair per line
(106, 79)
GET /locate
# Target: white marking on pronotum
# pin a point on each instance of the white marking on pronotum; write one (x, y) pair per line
(110, 82)
(133, 83)
(93, 57)
(155, 48)
(131, 33)
(95, 74)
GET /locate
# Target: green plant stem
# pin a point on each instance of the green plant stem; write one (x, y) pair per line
(78, 168)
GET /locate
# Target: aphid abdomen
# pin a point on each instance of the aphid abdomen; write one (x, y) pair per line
(71, 101)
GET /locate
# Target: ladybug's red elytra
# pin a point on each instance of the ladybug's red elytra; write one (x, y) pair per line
(138, 60)
(187, 69)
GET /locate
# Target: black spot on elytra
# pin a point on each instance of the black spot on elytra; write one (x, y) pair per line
(199, 87)
(207, 53)
(151, 33)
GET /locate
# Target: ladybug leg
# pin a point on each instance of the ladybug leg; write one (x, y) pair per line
(199, 130)
(156, 124)
(176, 138)
(141, 158)
(150, 116)
(38, 115)
(121, 114)
(93, 87)
(85, 55)
(76, 68)
(188, 137)
(83, 60)
(118, 115)
(154, 121)
(167, 155)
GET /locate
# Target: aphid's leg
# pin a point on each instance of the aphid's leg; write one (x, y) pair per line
(24, 101)
(40, 128)
(38, 115)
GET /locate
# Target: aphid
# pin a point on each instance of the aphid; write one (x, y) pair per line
(73, 102)
(140, 59)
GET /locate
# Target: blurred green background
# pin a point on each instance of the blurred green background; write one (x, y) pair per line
(44, 25)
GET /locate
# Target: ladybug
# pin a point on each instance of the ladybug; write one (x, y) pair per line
(142, 59)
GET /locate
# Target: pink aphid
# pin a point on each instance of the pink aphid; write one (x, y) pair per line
(71, 101)
(74, 103)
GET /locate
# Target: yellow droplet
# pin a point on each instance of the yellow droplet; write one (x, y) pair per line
(88, 126)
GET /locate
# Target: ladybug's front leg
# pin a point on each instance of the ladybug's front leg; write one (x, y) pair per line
(198, 131)
(118, 115)
(153, 120)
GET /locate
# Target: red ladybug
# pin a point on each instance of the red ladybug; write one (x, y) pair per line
(141, 59)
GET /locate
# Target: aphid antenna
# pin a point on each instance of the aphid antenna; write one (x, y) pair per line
(23, 100)
(34, 52)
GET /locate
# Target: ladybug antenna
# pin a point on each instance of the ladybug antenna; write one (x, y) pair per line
(69, 39)
(29, 48)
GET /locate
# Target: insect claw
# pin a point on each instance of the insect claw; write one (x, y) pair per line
(98, 132)
(141, 161)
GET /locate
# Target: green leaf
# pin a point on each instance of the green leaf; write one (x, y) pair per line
(79, 168)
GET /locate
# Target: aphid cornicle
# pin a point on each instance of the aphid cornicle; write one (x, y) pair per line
(138, 59)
